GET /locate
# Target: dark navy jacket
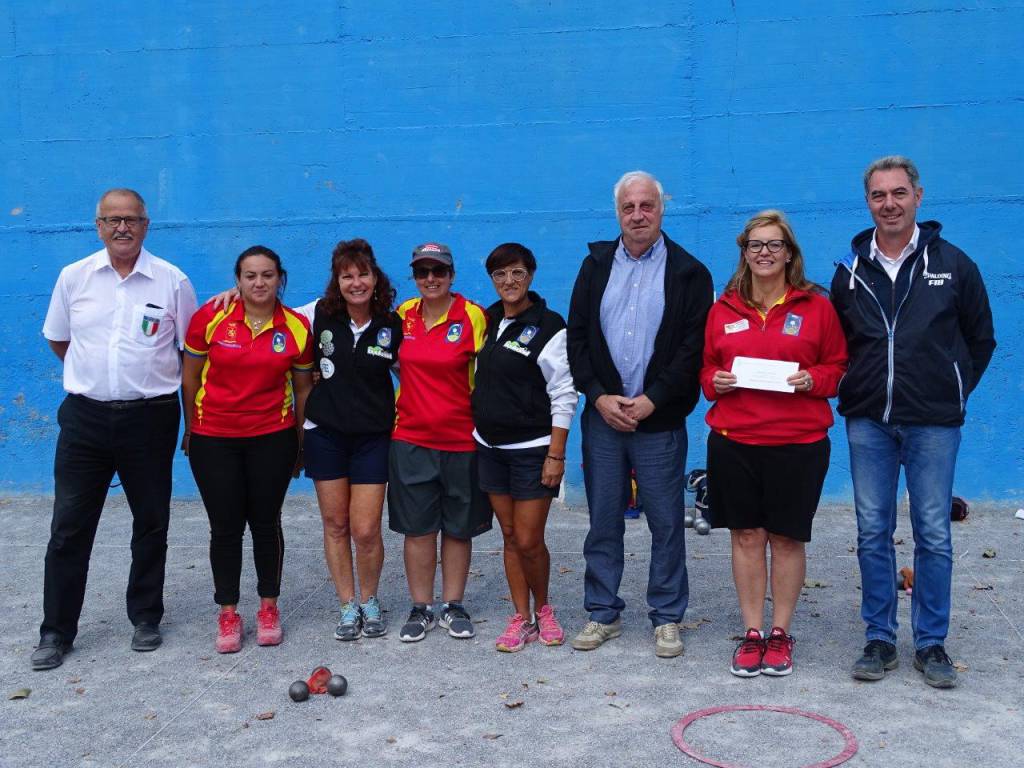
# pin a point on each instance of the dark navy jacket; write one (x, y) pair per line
(918, 346)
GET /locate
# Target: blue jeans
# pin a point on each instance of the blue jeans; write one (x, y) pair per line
(659, 459)
(928, 456)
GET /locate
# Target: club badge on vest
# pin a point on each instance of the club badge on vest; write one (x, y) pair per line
(454, 333)
(326, 367)
(792, 325)
(327, 343)
(230, 336)
(384, 338)
(520, 345)
(278, 342)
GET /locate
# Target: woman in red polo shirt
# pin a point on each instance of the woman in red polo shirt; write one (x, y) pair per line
(247, 372)
(432, 466)
(768, 451)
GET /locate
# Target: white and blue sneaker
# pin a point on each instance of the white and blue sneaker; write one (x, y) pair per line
(373, 618)
(351, 624)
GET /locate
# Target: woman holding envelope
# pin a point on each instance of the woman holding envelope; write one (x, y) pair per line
(773, 354)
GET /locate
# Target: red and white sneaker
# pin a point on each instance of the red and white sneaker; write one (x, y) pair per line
(517, 634)
(746, 659)
(550, 630)
(229, 632)
(268, 626)
(778, 653)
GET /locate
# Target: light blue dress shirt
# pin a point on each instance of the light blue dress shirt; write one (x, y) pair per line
(631, 311)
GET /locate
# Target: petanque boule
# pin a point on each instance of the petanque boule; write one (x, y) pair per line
(298, 690)
(688, 519)
(337, 685)
(702, 526)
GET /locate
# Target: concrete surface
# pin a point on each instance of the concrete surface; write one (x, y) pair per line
(444, 702)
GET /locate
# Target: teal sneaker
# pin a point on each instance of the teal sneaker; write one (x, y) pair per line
(351, 624)
(373, 619)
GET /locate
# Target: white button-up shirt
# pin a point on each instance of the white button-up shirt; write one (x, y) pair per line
(125, 334)
(892, 266)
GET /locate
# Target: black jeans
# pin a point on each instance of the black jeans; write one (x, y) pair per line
(244, 480)
(137, 441)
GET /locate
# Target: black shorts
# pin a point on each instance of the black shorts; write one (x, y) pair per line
(775, 487)
(514, 472)
(434, 490)
(331, 455)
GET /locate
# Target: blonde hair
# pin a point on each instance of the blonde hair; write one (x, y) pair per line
(741, 279)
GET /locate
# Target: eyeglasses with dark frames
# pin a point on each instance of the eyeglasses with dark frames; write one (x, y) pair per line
(756, 246)
(115, 221)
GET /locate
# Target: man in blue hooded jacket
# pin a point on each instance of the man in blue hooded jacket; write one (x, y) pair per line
(919, 330)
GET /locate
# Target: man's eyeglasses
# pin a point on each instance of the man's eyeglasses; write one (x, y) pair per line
(517, 275)
(773, 246)
(422, 273)
(115, 221)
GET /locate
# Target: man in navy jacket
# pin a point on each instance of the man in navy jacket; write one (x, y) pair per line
(635, 336)
(919, 330)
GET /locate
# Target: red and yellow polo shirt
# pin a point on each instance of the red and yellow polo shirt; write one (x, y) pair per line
(436, 372)
(247, 380)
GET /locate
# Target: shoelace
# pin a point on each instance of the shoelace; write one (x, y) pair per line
(419, 615)
(456, 611)
(592, 627)
(874, 648)
(937, 653)
(267, 617)
(780, 642)
(371, 609)
(349, 614)
(751, 645)
(228, 621)
(546, 620)
(669, 631)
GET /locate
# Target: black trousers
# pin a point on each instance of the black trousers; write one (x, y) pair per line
(137, 441)
(244, 480)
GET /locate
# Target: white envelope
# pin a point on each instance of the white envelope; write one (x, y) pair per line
(755, 373)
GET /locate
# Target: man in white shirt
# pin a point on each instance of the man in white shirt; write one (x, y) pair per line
(117, 319)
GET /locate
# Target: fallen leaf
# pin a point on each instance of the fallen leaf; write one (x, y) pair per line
(851, 549)
(526, 686)
(266, 715)
(390, 739)
(542, 680)
(897, 542)
(959, 666)
(514, 703)
(697, 557)
(74, 679)
(21, 693)
(492, 736)
(694, 624)
(815, 584)
(989, 553)
(150, 716)
(563, 569)
(79, 690)
(502, 695)
(983, 587)
(610, 693)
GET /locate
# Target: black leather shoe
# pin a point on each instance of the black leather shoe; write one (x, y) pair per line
(146, 637)
(49, 654)
(879, 657)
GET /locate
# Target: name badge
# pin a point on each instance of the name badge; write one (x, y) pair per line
(739, 325)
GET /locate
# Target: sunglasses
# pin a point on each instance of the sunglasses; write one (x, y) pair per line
(422, 273)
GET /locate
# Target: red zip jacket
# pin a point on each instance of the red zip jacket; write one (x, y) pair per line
(803, 329)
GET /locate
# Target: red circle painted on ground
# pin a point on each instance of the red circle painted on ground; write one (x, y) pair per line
(679, 728)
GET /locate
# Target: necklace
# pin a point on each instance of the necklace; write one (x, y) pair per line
(256, 324)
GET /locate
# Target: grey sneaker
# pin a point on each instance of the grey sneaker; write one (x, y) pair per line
(456, 620)
(420, 621)
(373, 619)
(594, 634)
(936, 665)
(351, 622)
(879, 656)
(666, 641)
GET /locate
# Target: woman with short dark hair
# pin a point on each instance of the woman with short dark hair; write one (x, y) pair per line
(523, 404)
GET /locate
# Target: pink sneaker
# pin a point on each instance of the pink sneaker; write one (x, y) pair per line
(229, 632)
(550, 630)
(268, 626)
(517, 634)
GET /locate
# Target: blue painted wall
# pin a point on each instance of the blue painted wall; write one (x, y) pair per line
(296, 125)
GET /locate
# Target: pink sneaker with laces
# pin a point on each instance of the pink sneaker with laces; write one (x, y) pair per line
(517, 634)
(229, 632)
(550, 630)
(268, 626)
